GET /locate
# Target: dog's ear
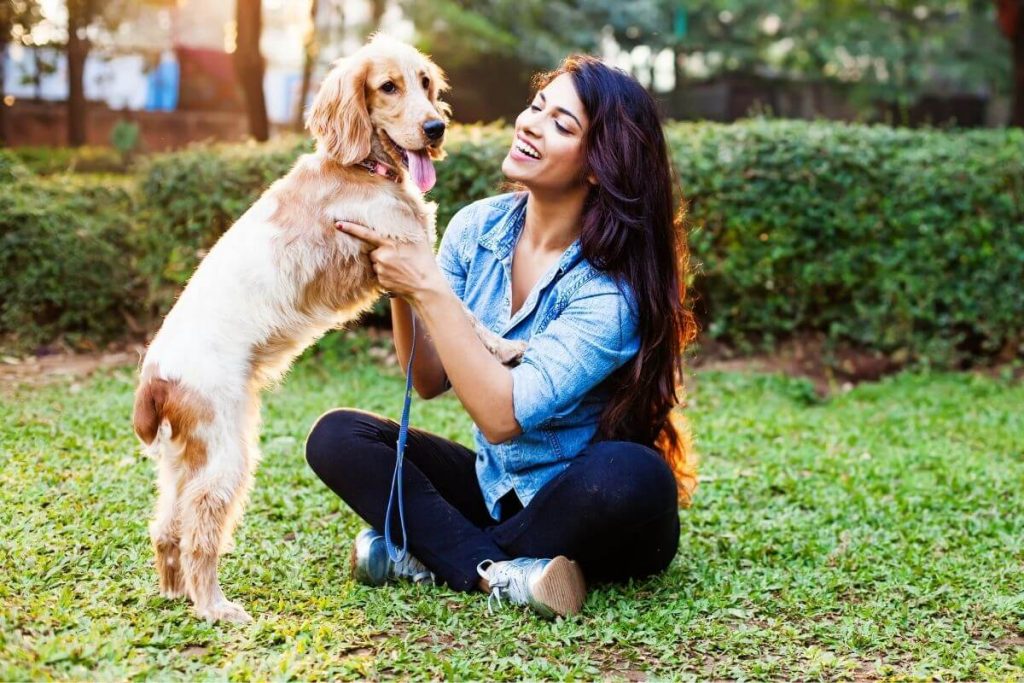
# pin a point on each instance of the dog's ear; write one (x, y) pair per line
(439, 84)
(339, 119)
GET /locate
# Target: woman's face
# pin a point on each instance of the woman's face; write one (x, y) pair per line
(547, 149)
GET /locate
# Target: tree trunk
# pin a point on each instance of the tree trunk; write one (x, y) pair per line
(1017, 115)
(3, 91)
(1010, 18)
(249, 66)
(78, 51)
(377, 8)
(310, 48)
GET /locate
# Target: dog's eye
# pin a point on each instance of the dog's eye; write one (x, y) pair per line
(388, 87)
(426, 83)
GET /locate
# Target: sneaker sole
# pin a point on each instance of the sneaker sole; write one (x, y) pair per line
(352, 563)
(561, 587)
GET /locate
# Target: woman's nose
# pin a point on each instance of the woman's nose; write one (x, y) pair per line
(528, 121)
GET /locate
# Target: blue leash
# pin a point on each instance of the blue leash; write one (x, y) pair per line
(394, 552)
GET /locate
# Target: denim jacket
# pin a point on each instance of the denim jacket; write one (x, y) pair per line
(579, 324)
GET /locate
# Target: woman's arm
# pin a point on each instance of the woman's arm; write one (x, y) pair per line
(482, 383)
(428, 375)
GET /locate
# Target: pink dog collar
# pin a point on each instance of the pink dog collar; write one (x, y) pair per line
(379, 168)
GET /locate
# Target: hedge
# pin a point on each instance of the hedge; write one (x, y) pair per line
(86, 159)
(910, 242)
(11, 168)
(65, 251)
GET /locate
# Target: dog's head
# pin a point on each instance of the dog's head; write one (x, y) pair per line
(389, 90)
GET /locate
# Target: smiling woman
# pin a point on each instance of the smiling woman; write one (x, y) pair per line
(572, 471)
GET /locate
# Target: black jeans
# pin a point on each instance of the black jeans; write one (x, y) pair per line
(613, 509)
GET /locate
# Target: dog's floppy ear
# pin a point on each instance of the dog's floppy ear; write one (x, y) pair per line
(440, 85)
(338, 119)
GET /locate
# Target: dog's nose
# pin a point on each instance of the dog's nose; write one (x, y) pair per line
(434, 129)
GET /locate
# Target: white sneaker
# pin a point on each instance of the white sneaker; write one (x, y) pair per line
(551, 587)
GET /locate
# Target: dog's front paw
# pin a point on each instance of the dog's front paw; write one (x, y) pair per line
(227, 546)
(510, 352)
(224, 610)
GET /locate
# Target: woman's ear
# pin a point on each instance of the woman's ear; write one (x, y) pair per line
(339, 120)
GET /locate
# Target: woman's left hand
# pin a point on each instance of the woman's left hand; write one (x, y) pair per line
(405, 269)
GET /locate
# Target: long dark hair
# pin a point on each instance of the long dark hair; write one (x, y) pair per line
(631, 232)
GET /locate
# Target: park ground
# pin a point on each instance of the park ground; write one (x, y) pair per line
(869, 531)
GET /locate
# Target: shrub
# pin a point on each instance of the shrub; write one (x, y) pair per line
(908, 242)
(87, 159)
(472, 169)
(11, 168)
(63, 246)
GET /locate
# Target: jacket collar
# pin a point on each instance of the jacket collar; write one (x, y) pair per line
(502, 236)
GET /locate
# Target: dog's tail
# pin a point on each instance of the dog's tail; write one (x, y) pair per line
(149, 417)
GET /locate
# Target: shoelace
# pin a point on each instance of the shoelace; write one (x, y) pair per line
(507, 580)
(412, 568)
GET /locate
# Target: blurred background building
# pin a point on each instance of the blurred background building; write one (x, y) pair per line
(193, 69)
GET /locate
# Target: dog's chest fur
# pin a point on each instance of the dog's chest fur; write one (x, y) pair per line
(283, 275)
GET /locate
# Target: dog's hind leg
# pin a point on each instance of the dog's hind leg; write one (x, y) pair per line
(250, 446)
(209, 502)
(165, 530)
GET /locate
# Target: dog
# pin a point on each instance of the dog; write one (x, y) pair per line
(277, 280)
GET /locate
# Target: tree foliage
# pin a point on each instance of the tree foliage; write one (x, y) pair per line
(537, 32)
(888, 49)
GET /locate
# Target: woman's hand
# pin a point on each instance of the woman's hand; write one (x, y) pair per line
(406, 269)
(480, 381)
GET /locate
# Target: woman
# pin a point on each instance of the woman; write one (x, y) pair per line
(588, 267)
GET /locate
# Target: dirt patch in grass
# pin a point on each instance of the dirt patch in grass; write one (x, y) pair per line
(828, 370)
(45, 369)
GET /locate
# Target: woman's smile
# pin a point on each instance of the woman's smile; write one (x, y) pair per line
(523, 150)
(547, 150)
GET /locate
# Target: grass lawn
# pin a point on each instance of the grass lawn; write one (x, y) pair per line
(878, 533)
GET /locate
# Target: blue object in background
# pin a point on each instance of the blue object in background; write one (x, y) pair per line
(680, 22)
(162, 94)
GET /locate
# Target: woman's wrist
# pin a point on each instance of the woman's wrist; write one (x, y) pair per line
(434, 289)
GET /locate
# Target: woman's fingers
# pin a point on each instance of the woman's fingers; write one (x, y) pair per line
(361, 232)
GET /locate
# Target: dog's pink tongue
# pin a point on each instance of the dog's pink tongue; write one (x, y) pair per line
(421, 168)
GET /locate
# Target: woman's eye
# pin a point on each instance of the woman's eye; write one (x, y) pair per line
(426, 83)
(534, 107)
(388, 87)
(561, 128)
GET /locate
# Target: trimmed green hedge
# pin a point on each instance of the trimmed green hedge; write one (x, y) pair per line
(11, 168)
(86, 159)
(907, 242)
(65, 252)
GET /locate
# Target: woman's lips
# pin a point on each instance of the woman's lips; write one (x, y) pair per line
(516, 155)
